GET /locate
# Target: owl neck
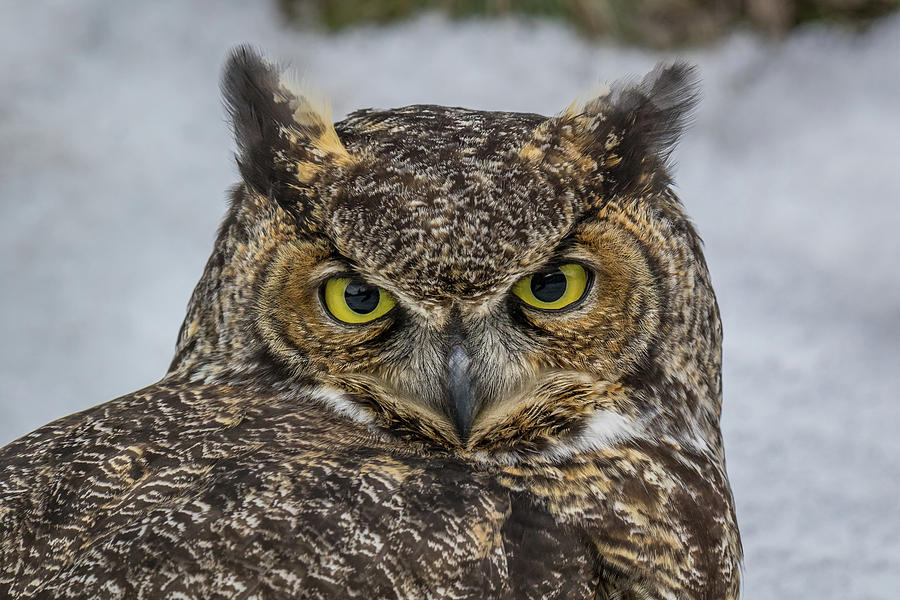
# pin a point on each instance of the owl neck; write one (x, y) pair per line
(217, 341)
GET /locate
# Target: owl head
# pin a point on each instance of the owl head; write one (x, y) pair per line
(489, 283)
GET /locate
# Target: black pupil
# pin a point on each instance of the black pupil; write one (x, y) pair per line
(361, 298)
(549, 287)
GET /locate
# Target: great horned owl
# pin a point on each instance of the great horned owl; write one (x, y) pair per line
(436, 353)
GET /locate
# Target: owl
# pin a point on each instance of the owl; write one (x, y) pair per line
(436, 353)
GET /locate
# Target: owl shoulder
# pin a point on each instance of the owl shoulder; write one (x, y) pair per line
(206, 483)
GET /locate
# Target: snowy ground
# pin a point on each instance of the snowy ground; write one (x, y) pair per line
(115, 157)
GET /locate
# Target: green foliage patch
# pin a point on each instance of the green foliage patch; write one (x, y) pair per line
(649, 22)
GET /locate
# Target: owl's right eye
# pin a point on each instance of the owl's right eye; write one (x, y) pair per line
(352, 301)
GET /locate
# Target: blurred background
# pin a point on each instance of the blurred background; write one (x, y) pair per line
(115, 158)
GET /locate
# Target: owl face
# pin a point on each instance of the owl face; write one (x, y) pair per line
(494, 283)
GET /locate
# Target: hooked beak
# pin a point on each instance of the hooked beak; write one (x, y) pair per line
(459, 390)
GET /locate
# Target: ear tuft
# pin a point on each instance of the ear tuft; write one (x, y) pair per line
(657, 109)
(284, 139)
(248, 86)
(620, 142)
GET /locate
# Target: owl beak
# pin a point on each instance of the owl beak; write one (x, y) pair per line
(459, 390)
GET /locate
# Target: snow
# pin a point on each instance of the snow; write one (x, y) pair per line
(115, 157)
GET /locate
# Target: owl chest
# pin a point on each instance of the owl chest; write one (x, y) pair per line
(545, 558)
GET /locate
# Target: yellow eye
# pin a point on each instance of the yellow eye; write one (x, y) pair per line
(553, 289)
(351, 301)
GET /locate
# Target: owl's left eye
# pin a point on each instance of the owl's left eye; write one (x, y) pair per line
(554, 289)
(352, 301)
